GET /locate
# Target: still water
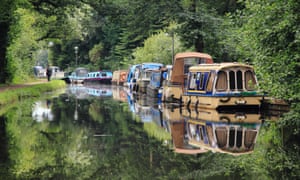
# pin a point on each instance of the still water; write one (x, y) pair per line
(102, 132)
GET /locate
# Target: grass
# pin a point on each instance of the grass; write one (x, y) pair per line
(36, 90)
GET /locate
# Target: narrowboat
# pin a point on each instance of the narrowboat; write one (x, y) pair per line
(119, 77)
(154, 88)
(177, 76)
(132, 76)
(100, 77)
(144, 74)
(78, 76)
(221, 85)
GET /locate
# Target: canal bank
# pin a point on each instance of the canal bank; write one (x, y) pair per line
(12, 93)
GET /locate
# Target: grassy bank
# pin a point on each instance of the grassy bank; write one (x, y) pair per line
(36, 90)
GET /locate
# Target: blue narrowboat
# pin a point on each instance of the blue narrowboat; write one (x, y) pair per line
(100, 77)
(144, 74)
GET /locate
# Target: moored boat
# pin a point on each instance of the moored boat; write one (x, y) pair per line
(100, 77)
(78, 76)
(221, 85)
(154, 88)
(177, 76)
(119, 77)
(144, 74)
(132, 76)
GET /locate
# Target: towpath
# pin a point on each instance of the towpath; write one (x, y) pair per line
(16, 86)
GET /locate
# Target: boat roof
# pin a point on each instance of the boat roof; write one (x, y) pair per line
(152, 65)
(104, 71)
(218, 66)
(119, 71)
(192, 54)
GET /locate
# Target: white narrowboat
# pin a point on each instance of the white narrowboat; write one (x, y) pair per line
(222, 85)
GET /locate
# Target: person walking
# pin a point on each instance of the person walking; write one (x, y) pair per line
(49, 73)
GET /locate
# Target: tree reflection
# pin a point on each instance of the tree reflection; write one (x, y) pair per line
(107, 143)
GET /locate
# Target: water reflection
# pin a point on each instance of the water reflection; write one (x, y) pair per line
(41, 110)
(196, 131)
(231, 132)
(81, 135)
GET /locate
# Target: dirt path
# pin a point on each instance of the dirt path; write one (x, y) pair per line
(16, 86)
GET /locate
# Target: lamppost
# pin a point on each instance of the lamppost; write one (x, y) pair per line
(172, 34)
(50, 44)
(173, 51)
(76, 54)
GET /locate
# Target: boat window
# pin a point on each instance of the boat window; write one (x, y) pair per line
(232, 80)
(188, 62)
(148, 74)
(186, 68)
(200, 86)
(210, 78)
(221, 84)
(202, 61)
(250, 81)
(192, 82)
(239, 80)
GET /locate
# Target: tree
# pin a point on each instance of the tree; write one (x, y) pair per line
(200, 28)
(158, 48)
(266, 33)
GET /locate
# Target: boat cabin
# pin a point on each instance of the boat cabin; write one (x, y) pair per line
(132, 76)
(222, 78)
(78, 75)
(119, 77)
(103, 77)
(144, 75)
(177, 77)
(222, 85)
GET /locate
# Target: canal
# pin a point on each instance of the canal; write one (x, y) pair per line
(102, 132)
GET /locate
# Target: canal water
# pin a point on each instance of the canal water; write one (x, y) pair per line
(102, 132)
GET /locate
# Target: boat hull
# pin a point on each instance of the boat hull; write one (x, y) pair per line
(214, 102)
(97, 81)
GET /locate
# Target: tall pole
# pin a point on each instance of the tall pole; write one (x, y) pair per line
(50, 44)
(76, 55)
(172, 47)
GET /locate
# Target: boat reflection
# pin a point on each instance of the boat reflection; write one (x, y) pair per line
(176, 127)
(99, 90)
(233, 133)
(78, 90)
(195, 132)
(189, 131)
(147, 109)
(83, 91)
(119, 93)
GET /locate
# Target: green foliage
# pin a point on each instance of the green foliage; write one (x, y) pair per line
(157, 48)
(23, 37)
(10, 96)
(266, 33)
(200, 29)
(95, 54)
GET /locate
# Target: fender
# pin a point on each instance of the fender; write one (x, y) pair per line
(225, 100)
